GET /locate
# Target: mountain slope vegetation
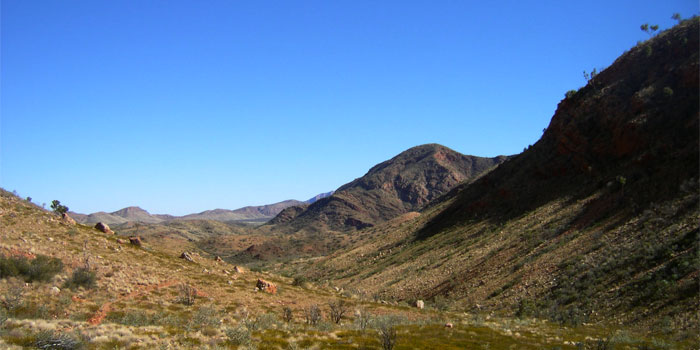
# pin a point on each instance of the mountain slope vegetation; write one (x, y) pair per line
(596, 222)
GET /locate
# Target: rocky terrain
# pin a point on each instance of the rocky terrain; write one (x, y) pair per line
(399, 185)
(586, 240)
(596, 222)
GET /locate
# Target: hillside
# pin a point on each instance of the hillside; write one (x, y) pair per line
(402, 184)
(596, 222)
(90, 290)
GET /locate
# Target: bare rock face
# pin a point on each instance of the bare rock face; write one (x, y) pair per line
(186, 256)
(67, 219)
(103, 228)
(266, 286)
(135, 241)
(420, 304)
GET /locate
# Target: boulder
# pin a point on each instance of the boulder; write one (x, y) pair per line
(103, 228)
(449, 325)
(67, 219)
(135, 240)
(218, 259)
(266, 286)
(420, 304)
(55, 290)
(238, 269)
(186, 256)
(120, 241)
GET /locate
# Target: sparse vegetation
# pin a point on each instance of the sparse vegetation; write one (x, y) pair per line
(82, 277)
(49, 340)
(312, 314)
(337, 309)
(386, 330)
(40, 269)
(187, 294)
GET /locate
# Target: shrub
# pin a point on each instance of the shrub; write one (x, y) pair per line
(13, 298)
(82, 277)
(570, 93)
(312, 314)
(239, 335)
(42, 268)
(57, 341)
(300, 281)
(337, 309)
(204, 317)
(287, 314)
(187, 294)
(363, 319)
(386, 330)
(668, 92)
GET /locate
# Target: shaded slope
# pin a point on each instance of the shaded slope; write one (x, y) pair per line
(391, 188)
(635, 125)
(598, 221)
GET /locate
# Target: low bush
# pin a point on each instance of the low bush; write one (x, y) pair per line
(42, 268)
(239, 335)
(82, 277)
(57, 341)
(187, 295)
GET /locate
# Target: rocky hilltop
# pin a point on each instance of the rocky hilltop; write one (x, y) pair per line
(402, 184)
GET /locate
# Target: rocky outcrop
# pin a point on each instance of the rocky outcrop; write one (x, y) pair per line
(420, 304)
(135, 240)
(186, 256)
(67, 219)
(104, 228)
(266, 286)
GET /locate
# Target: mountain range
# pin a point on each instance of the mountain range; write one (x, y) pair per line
(259, 213)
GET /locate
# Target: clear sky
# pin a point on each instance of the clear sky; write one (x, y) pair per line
(184, 106)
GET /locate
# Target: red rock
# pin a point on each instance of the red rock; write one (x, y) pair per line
(266, 286)
(135, 241)
(103, 228)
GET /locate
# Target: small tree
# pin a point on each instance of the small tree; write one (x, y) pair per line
(312, 314)
(386, 329)
(649, 29)
(58, 208)
(287, 314)
(337, 309)
(187, 295)
(677, 16)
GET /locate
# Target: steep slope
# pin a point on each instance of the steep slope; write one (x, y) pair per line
(597, 222)
(391, 188)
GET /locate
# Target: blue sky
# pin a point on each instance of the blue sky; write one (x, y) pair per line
(184, 106)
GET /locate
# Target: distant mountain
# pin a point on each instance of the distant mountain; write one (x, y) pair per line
(402, 184)
(318, 196)
(245, 213)
(136, 214)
